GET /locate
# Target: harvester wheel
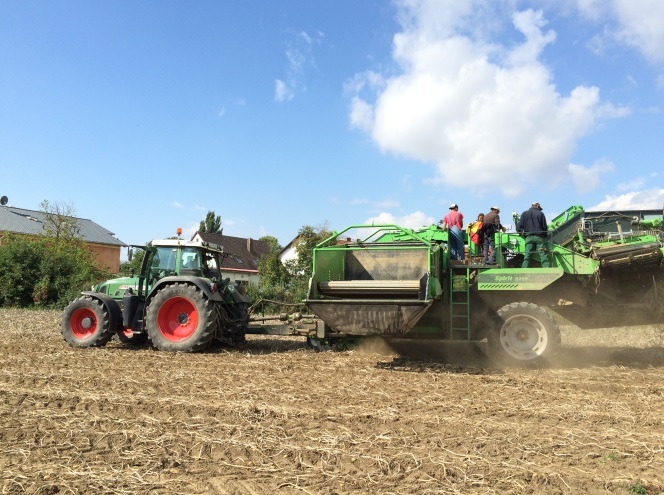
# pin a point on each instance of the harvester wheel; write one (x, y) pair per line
(523, 334)
(86, 323)
(180, 318)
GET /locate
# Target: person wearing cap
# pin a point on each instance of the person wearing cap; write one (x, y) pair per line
(532, 225)
(454, 222)
(491, 226)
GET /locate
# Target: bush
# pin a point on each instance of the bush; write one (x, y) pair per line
(20, 268)
(285, 298)
(45, 271)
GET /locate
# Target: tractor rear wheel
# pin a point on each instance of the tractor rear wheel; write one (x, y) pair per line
(180, 318)
(86, 323)
(523, 334)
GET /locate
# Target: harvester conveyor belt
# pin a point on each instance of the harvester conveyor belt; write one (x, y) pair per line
(365, 287)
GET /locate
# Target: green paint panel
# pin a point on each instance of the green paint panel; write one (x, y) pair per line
(518, 278)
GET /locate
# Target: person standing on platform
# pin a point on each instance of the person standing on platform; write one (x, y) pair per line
(475, 235)
(491, 226)
(532, 225)
(453, 221)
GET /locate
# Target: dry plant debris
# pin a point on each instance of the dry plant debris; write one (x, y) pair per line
(276, 417)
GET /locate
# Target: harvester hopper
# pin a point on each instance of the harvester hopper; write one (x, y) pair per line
(373, 286)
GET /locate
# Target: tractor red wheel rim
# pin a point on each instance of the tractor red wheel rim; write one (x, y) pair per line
(83, 323)
(177, 319)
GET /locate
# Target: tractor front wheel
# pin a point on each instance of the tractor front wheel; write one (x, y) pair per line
(523, 334)
(86, 323)
(180, 318)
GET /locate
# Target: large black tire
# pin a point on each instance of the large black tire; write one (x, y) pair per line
(86, 323)
(180, 318)
(523, 334)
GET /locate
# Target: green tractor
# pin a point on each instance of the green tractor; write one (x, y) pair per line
(178, 301)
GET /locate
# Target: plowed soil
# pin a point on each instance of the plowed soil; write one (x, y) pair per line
(275, 417)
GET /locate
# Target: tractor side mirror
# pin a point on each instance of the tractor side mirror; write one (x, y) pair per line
(130, 254)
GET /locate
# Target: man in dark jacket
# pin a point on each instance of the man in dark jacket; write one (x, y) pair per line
(491, 226)
(532, 225)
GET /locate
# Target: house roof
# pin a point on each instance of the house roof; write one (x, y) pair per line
(242, 254)
(32, 222)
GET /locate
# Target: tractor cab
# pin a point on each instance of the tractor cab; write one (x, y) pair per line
(177, 258)
(168, 258)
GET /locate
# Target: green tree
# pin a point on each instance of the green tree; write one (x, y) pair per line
(60, 220)
(20, 268)
(270, 268)
(274, 281)
(307, 239)
(211, 224)
(45, 271)
(134, 263)
(65, 270)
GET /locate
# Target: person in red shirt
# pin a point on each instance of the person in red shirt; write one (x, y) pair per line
(453, 221)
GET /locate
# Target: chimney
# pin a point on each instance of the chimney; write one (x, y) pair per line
(249, 244)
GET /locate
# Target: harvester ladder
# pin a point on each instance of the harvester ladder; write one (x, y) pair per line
(460, 303)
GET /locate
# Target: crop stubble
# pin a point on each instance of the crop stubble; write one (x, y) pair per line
(275, 417)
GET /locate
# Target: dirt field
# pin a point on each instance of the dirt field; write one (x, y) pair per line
(275, 417)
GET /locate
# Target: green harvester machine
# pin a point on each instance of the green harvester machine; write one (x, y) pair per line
(385, 280)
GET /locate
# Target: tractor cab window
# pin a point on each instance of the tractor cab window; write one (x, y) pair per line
(190, 263)
(212, 266)
(162, 263)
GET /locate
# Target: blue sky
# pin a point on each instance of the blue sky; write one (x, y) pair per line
(145, 115)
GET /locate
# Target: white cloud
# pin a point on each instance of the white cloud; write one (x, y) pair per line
(299, 54)
(635, 200)
(635, 23)
(282, 92)
(587, 179)
(472, 107)
(412, 220)
(361, 114)
(176, 204)
(642, 26)
(633, 185)
(660, 81)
